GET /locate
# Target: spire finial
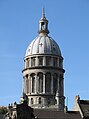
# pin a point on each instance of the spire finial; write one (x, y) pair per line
(43, 23)
(43, 12)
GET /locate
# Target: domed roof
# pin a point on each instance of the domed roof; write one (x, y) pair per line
(43, 45)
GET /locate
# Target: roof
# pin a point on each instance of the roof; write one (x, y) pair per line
(84, 105)
(54, 114)
(1, 116)
(43, 45)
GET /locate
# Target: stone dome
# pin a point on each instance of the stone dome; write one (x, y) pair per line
(43, 45)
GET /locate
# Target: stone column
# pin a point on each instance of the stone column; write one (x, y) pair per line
(44, 61)
(43, 83)
(31, 83)
(29, 78)
(37, 84)
(24, 64)
(35, 87)
(62, 86)
(58, 62)
(36, 60)
(25, 87)
(51, 61)
(24, 84)
(58, 93)
(58, 86)
(30, 62)
(51, 83)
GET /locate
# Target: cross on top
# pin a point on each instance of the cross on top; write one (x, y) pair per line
(41, 44)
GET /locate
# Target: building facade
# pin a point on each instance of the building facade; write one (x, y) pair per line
(43, 73)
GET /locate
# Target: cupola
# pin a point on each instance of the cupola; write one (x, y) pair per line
(43, 24)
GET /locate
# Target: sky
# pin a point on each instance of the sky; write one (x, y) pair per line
(68, 26)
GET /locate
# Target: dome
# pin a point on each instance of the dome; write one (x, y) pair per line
(43, 45)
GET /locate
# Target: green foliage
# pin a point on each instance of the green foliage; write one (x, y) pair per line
(3, 110)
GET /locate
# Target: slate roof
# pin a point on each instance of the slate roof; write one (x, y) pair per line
(54, 114)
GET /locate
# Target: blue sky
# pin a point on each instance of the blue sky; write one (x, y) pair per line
(68, 26)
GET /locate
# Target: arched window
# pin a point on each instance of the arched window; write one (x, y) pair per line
(48, 82)
(33, 82)
(43, 26)
(55, 83)
(40, 82)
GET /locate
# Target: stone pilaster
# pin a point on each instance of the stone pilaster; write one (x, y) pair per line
(51, 83)
(29, 78)
(30, 62)
(43, 83)
(57, 62)
(37, 61)
(51, 61)
(25, 87)
(44, 61)
(35, 86)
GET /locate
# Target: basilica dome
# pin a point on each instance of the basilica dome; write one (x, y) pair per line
(43, 70)
(43, 45)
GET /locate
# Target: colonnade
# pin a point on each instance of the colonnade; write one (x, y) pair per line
(43, 83)
(43, 61)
